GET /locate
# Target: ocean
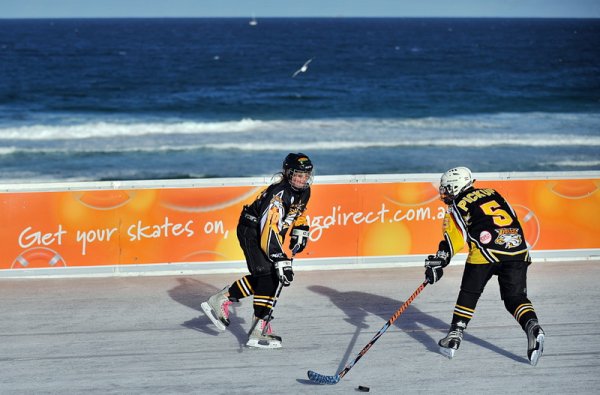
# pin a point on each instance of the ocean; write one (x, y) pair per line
(132, 99)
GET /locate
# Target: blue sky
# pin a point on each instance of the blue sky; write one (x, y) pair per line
(298, 8)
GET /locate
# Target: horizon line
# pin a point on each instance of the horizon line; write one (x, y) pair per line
(298, 17)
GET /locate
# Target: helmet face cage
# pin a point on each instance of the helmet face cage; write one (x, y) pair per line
(445, 195)
(453, 182)
(298, 171)
(298, 179)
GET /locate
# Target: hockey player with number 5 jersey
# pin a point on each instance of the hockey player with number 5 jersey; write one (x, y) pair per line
(485, 222)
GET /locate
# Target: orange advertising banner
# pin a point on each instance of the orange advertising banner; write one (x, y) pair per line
(103, 227)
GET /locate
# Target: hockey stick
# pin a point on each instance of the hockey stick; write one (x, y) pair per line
(322, 379)
(280, 287)
(266, 327)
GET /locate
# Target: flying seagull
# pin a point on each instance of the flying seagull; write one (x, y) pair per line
(303, 68)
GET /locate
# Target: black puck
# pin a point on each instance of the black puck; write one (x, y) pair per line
(363, 388)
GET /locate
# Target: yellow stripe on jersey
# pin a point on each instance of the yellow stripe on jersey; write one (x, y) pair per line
(454, 233)
(523, 251)
(476, 256)
(271, 231)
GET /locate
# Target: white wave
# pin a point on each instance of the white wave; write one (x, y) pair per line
(516, 141)
(291, 145)
(483, 130)
(104, 129)
(576, 163)
(8, 150)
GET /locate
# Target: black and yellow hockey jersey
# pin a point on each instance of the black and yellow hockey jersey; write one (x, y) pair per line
(277, 209)
(483, 220)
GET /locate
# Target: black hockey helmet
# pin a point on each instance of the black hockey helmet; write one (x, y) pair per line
(298, 165)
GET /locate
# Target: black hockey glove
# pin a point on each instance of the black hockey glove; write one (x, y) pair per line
(299, 238)
(285, 273)
(434, 266)
(433, 272)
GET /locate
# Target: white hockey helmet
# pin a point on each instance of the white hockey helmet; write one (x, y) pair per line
(453, 182)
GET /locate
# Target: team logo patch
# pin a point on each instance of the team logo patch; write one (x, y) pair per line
(485, 237)
(510, 237)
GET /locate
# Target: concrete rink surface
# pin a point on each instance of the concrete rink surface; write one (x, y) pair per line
(147, 335)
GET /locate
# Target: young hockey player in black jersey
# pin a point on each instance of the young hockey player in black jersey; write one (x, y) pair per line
(261, 230)
(483, 220)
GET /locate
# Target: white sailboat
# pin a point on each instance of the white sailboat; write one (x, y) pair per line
(253, 21)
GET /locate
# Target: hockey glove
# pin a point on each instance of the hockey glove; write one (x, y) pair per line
(444, 256)
(299, 238)
(434, 269)
(285, 273)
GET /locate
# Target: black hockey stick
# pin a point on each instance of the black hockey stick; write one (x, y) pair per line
(266, 327)
(322, 379)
